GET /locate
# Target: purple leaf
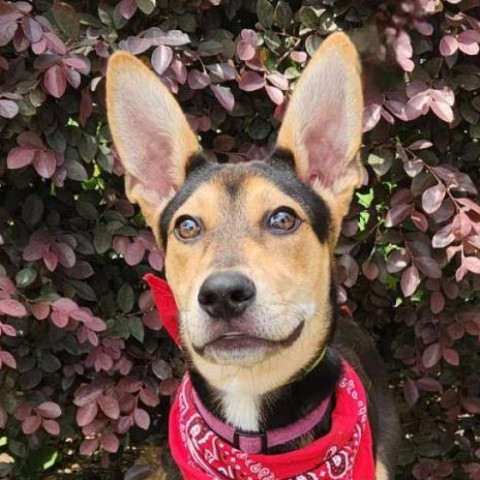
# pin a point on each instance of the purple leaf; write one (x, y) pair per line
(110, 443)
(161, 58)
(251, 81)
(224, 96)
(442, 111)
(428, 266)
(51, 426)
(397, 214)
(20, 157)
(437, 302)
(245, 50)
(55, 81)
(433, 197)
(79, 63)
(12, 307)
(198, 80)
(86, 414)
(398, 260)
(32, 29)
(472, 264)
(410, 392)
(8, 108)
(136, 45)
(223, 71)
(448, 45)
(31, 424)
(413, 167)
(127, 8)
(410, 281)
(134, 253)
(109, 406)
(49, 410)
(275, 94)
(278, 80)
(298, 56)
(431, 355)
(8, 359)
(142, 419)
(420, 145)
(173, 38)
(45, 163)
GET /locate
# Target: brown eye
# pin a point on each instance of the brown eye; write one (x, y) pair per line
(187, 228)
(283, 220)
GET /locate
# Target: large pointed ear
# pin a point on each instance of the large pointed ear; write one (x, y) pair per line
(150, 132)
(322, 126)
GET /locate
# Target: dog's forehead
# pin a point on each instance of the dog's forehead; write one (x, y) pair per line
(227, 188)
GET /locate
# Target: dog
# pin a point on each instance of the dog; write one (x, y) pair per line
(249, 256)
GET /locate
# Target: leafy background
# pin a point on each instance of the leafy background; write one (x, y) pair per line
(85, 369)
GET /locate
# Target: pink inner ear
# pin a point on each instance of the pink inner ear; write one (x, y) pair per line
(153, 149)
(326, 149)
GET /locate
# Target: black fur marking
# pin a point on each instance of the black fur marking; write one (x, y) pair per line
(290, 402)
(195, 162)
(282, 158)
(278, 169)
(285, 178)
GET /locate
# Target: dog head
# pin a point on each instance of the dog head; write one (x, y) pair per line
(248, 247)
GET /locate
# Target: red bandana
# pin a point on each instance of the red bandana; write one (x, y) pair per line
(345, 453)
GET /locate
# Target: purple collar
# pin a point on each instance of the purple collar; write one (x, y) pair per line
(258, 442)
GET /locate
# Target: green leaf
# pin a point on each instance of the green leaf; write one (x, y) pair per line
(102, 238)
(83, 290)
(32, 209)
(25, 277)
(380, 163)
(272, 41)
(308, 16)
(146, 6)
(137, 329)
(51, 461)
(17, 448)
(30, 379)
(210, 47)
(265, 13)
(86, 210)
(283, 15)
(49, 363)
(76, 171)
(105, 162)
(125, 298)
(87, 147)
(67, 19)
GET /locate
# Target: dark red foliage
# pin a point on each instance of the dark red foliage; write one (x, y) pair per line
(82, 353)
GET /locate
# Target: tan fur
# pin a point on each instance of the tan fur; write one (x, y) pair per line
(291, 273)
(128, 81)
(300, 115)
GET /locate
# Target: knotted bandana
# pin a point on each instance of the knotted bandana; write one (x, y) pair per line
(345, 453)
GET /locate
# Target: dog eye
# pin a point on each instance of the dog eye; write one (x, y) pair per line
(283, 220)
(187, 228)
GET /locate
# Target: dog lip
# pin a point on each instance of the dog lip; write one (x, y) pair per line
(235, 339)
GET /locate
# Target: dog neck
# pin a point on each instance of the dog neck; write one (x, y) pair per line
(251, 412)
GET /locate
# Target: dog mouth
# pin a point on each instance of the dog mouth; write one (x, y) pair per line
(238, 342)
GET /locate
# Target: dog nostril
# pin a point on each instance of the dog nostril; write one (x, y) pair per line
(226, 294)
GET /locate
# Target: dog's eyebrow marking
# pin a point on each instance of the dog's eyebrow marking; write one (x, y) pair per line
(279, 170)
(201, 173)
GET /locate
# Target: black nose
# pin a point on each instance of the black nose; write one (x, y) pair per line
(226, 295)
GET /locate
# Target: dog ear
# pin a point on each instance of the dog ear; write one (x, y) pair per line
(150, 132)
(322, 126)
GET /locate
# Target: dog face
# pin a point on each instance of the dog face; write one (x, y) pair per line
(248, 246)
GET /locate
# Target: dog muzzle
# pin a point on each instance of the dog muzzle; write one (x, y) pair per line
(204, 448)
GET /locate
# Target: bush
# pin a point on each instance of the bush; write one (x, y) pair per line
(82, 355)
